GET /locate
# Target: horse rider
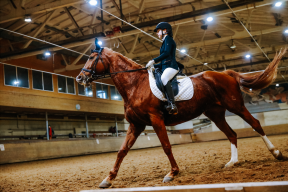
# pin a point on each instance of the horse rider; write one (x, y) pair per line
(168, 63)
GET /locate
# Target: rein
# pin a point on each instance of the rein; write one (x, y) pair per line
(101, 76)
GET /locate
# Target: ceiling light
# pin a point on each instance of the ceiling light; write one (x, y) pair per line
(205, 63)
(183, 51)
(93, 2)
(47, 53)
(286, 31)
(247, 56)
(277, 85)
(100, 43)
(250, 89)
(209, 19)
(278, 4)
(233, 46)
(27, 19)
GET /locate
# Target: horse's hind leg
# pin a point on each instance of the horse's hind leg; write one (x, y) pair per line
(217, 115)
(245, 114)
(132, 135)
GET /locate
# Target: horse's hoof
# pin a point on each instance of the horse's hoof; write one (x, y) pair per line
(105, 184)
(277, 154)
(230, 164)
(167, 179)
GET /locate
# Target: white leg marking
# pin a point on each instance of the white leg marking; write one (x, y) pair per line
(270, 146)
(268, 142)
(234, 156)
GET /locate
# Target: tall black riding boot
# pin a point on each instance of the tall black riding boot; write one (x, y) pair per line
(171, 108)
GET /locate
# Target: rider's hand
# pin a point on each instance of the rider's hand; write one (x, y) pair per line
(150, 63)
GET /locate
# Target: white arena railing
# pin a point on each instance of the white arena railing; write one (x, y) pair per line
(273, 186)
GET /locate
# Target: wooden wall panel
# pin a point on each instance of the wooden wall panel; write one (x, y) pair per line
(29, 151)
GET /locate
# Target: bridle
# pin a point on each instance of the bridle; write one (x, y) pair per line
(92, 71)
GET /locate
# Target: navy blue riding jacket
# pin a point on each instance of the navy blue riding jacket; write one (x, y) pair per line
(167, 55)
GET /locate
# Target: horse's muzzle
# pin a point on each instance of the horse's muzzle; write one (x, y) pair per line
(79, 79)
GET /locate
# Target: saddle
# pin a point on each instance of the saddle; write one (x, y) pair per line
(157, 74)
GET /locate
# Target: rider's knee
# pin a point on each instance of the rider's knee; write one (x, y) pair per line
(164, 80)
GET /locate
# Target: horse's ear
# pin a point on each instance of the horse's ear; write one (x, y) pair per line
(97, 46)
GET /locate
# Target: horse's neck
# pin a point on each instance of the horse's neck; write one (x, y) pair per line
(125, 82)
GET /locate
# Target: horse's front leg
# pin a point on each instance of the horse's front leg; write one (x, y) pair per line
(132, 135)
(160, 129)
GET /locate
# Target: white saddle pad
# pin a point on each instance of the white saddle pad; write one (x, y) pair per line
(186, 90)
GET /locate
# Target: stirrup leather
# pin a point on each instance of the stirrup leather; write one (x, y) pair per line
(171, 107)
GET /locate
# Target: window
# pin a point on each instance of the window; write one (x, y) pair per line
(87, 91)
(42, 81)
(102, 91)
(115, 95)
(16, 76)
(61, 84)
(66, 85)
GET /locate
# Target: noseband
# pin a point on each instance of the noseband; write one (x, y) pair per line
(94, 65)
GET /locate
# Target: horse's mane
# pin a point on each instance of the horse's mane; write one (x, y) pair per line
(126, 59)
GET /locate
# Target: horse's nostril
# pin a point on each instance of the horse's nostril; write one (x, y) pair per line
(79, 78)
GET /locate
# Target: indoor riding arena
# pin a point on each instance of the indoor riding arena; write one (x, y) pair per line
(144, 95)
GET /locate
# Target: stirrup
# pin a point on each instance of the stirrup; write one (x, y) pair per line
(171, 108)
(174, 110)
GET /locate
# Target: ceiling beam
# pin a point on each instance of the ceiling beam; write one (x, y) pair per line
(118, 10)
(80, 56)
(20, 13)
(64, 59)
(254, 51)
(10, 45)
(13, 4)
(94, 18)
(237, 35)
(13, 55)
(23, 4)
(39, 29)
(137, 36)
(192, 14)
(134, 4)
(73, 20)
(198, 48)
(74, 42)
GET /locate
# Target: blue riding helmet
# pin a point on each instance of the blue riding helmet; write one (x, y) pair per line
(163, 25)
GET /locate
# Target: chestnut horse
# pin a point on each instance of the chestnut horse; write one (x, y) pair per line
(214, 93)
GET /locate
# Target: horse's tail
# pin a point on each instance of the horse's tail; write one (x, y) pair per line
(259, 80)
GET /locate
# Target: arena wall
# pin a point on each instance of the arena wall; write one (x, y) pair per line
(37, 150)
(268, 118)
(37, 126)
(242, 133)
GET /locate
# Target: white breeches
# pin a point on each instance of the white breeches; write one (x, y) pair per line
(168, 74)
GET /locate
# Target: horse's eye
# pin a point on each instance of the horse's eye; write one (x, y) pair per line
(91, 57)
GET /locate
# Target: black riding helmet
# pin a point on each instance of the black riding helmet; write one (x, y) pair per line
(164, 25)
